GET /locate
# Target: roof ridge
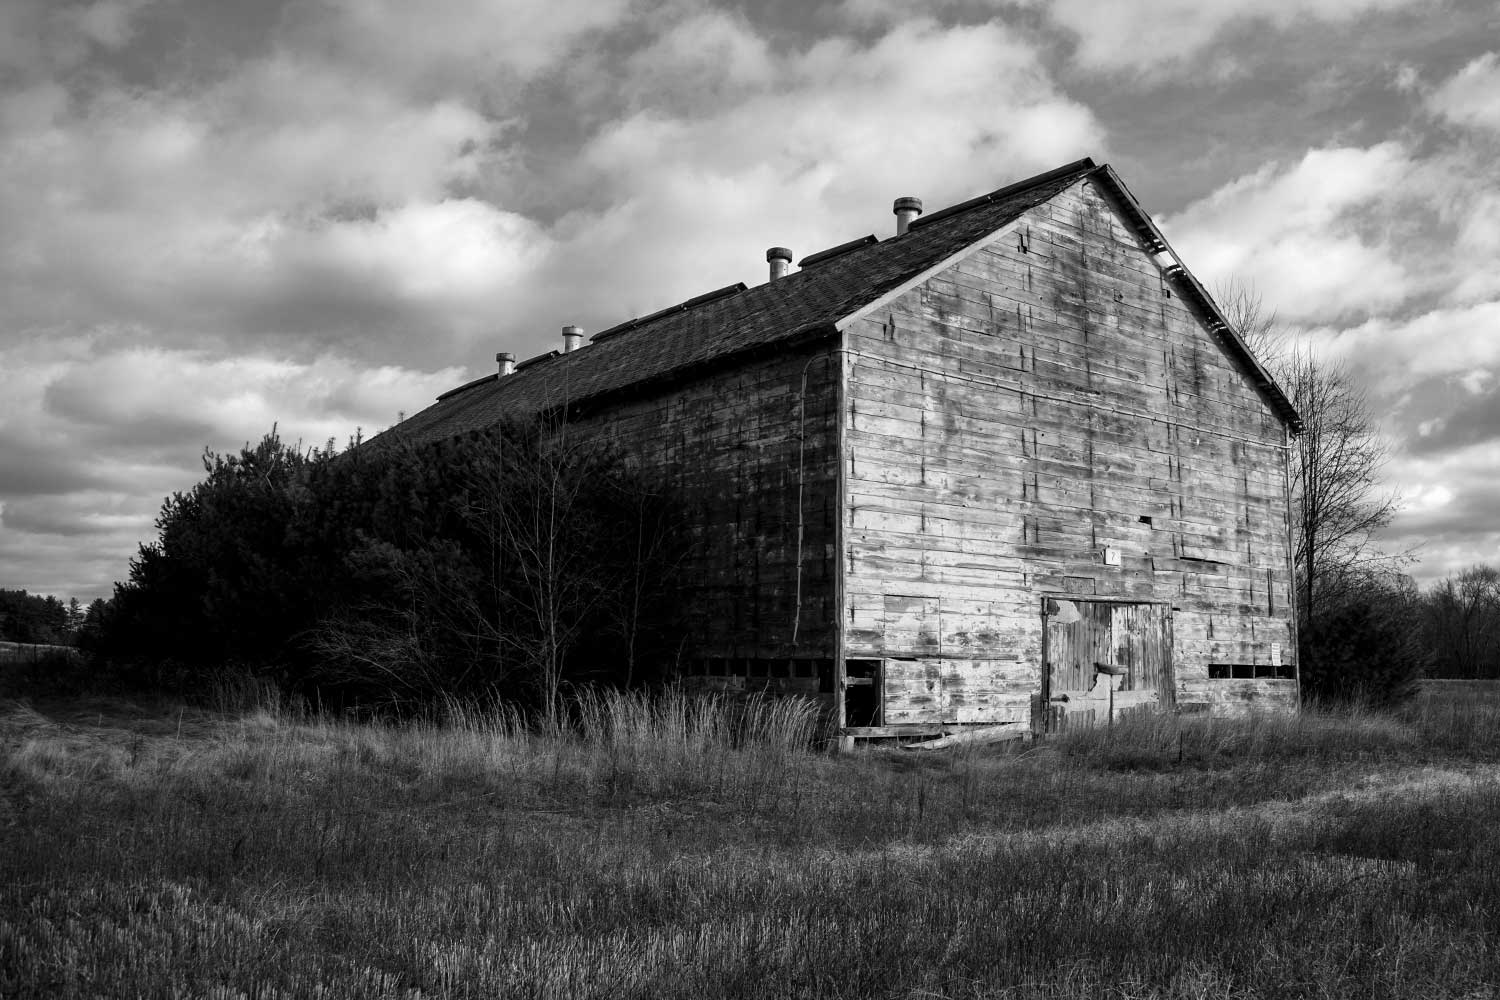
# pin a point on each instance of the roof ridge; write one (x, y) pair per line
(481, 380)
(834, 251)
(545, 355)
(683, 306)
(1077, 166)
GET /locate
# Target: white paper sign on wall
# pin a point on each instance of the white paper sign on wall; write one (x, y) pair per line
(1275, 654)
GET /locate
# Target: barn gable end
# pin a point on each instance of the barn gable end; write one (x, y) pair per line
(1044, 419)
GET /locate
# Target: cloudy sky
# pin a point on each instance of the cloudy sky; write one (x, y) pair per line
(216, 215)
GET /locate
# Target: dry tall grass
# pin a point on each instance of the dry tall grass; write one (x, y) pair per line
(677, 847)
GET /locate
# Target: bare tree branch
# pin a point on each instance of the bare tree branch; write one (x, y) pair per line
(1338, 499)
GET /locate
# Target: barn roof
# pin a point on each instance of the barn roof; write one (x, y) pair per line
(717, 326)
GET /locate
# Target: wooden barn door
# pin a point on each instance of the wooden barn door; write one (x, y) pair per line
(1105, 660)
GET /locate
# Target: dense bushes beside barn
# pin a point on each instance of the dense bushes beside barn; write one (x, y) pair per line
(513, 561)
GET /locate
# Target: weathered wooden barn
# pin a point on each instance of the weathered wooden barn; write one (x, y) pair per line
(1009, 465)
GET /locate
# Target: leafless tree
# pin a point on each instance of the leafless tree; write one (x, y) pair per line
(528, 500)
(1338, 499)
(395, 643)
(1463, 619)
(578, 543)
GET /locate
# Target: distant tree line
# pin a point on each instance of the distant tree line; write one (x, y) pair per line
(1463, 624)
(509, 562)
(45, 620)
(32, 618)
(1450, 630)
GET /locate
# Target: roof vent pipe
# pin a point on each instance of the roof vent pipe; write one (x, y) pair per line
(780, 258)
(572, 338)
(506, 361)
(906, 210)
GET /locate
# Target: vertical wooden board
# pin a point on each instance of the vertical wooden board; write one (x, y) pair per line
(1073, 648)
(1142, 644)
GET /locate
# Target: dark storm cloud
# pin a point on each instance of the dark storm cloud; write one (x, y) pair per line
(30, 468)
(91, 409)
(1468, 419)
(48, 518)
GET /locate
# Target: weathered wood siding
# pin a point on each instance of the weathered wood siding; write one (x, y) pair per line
(1136, 638)
(1234, 697)
(1045, 417)
(751, 452)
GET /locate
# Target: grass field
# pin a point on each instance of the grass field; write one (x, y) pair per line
(681, 849)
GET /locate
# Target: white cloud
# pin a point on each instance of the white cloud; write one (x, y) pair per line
(1477, 382)
(1477, 244)
(1472, 95)
(1306, 237)
(41, 37)
(812, 154)
(1458, 341)
(463, 45)
(1448, 510)
(94, 434)
(295, 195)
(108, 22)
(1150, 38)
(441, 255)
(700, 59)
(876, 115)
(207, 212)
(169, 397)
(443, 269)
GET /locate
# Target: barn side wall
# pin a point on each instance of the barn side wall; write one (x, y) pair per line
(1046, 417)
(750, 452)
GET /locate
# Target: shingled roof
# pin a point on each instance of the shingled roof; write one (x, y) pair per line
(718, 326)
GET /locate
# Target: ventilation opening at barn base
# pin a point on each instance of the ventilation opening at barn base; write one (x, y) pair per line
(862, 692)
(1250, 671)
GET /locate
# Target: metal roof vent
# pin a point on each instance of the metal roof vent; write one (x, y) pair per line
(572, 338)
(906, 209)
(780, 259)
(507, 363)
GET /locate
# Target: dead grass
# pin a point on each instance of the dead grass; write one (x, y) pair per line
(678, 848)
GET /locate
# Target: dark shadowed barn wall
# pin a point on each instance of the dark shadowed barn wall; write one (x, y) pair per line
(749, 449)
